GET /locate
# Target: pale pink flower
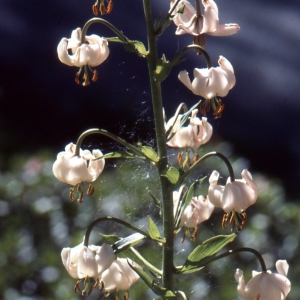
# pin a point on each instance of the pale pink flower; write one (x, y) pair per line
(120, 276)
(92, 53)
(265, 285)
(234, 196)
(197, 133)
(73, 169)
(92, 261)
(211, 82)
(191, 23)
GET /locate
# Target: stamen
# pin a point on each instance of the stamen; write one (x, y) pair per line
(183, 237)
(109, 7)
(126, 296)
(196, 157)
(102, 285)
(71, 194)
(76, 287)
(180, 159)
(90, 191)
(95, 9)
(80, 199)
(77, 78)
(224, 220)
(95, 76)
(97, 282)
(194, 234)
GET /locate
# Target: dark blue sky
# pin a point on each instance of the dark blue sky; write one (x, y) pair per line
(41, 106)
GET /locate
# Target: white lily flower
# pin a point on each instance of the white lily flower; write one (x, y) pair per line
(234, 196)
(82, 261)
(73, 169)
(92, 53)
(120, 276)
(198, 211)
(211, 82)
(265, 285)
(191, 23)
(197, 133)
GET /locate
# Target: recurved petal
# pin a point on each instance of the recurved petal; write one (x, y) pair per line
(225, 30)
(62, 51)
(87, 265)
(210, 18)
(97, 51)
(104, 258)
(282, 267)
(200, 82)
(185, 79)
(218, 83)
(227, 67)
(239, 277)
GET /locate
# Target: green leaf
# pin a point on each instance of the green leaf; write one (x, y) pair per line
(163, 68)
(204, 253)
(129, 241)
(150, 153)
(118, 154)
(172, 174)
(153, 231)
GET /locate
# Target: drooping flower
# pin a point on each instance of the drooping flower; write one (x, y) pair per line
(265, 285)
(92, 53)
(198, 211)
(197, 133)
(73, 169)
(211, 82)
(82, 262)
(120, 276)
(194, 23)
(234, 196)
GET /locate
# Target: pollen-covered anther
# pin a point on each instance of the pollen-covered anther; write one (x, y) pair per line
(95, 76)
(126, 296)
(194, 234)
(77, 78)
(218, 109)
(109, 7)
(180, 159)
(76, 287)
(95, 9)
(101, 284)
(205, 107)
(243, 217)
(71, 194)
(86, 80)
(196, 157)
(224, 220)
(90, 191)
(97, 282)
(80, 198)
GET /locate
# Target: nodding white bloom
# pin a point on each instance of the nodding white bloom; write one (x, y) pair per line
(197, 133)
(191, 23)
(198, 211)
(92, 261)
(265, 285)
(92, 53)
(211, 82)
(73, 169)
(120, 276)
(234, 196)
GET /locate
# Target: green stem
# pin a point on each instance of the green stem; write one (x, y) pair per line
(187, 48)
(113, 219)
(106, 133)
(167, 193)
(204, 157)
(106, 23)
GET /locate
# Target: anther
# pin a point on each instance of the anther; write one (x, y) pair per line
(95, 76)
(126, 296)
(71, 194)
(109, 7)
(95, 9)
(194, 234)
(77, 78)
(224, 220)
(80, 199)
(97, 282)
(90, 191)
(76, 287)
(102, 285)
(180, 159)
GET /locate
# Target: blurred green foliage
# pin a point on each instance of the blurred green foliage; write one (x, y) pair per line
(38, 219)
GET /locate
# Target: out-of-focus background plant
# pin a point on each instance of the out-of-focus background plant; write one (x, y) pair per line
(38, 220)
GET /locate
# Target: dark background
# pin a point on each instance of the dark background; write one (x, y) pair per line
(42, 107)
